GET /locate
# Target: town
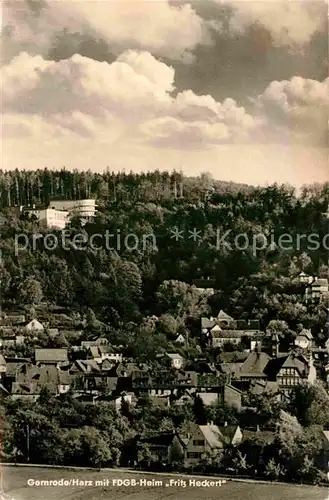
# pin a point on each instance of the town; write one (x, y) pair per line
(150, 369)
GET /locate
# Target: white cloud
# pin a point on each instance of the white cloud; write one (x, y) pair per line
(87, 97)
(158, 26)
(299, 107)
(84, 113)
(289, 22)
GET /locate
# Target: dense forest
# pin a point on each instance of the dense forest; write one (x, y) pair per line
(19, 187)
(123, 286)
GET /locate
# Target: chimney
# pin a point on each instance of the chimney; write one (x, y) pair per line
(225, 424)
(257, 428)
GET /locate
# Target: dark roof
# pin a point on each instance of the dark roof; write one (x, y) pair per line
(289, 360)
(207, 323)
(255, 364)
(233, 357)
(229, 431)
(229, 333)
(262, 386)
(268, 437)
(164, 439)
(50, 355)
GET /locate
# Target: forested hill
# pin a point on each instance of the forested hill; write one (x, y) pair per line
(39, 186)
(123, 285)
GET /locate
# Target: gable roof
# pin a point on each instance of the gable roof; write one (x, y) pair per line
(209, 398)
(289, 360)
(222, 316)
(255, 364)
(35, 324)
(305, 333)
(164, 439)
(268, 437)
(212, 435)
(207, 323)
(320, 282)
(174, 355)
(263, 386)
(50, 355)
(233, 357)
(229, 431)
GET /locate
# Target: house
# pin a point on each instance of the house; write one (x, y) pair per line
(127, 397)
(318, 288)
(231, 396)
(224, 329)
(253, 368)
(3, 366)
(227, 394)
(57, 381)
(51, 356)
(180, 339)
(220, 337)
(305, 279)
(34, 326)
(205, 286)
(31, 379)
(19, 339)
(174, 360)
(208, 438)
(326, 345)
(304, 339)
(14, 319)
(12, 365)
(259, 387)
(289, 370)
(91, 376)
(102, 352)
(100, 341)
(185, 398)
(232, 434)
(161, 446)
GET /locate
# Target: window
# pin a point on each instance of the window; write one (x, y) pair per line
(193, 454)
(198, 442)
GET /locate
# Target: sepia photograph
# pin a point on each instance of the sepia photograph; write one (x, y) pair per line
(164, 250)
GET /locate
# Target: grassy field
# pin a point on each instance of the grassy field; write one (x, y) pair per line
(16, 484)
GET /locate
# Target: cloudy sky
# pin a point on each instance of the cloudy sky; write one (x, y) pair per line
(236, 88)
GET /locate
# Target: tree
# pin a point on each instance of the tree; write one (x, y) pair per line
(200, 411)
(176, 453)
(289, 431)
(30, 291)
(144, 456)
(310, 404)
(86, 446)
(279, 328)
(181, 300)
(239, 463)
(273, 470)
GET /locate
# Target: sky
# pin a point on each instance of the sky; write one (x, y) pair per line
(239, 89)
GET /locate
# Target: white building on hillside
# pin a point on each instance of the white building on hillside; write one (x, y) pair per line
(60, 212)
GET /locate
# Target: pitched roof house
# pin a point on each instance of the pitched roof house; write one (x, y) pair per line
(51, 356)
(207, 438)
(304, 339)
(254, 366)
(161, 446)
(227, 394)
(288, 370)
(34, 325)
